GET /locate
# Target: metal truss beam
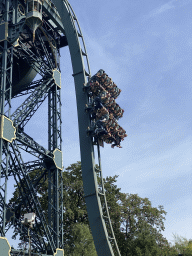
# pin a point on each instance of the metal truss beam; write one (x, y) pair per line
(54, 119)
(36, 62)
(29, 197)
(6, 59)
(15, 209)
(27, 109)
(55, 184)
(45, 237)
(50, 10)
(45, 51)
(30, 166)
(29, 88)
(28, 144)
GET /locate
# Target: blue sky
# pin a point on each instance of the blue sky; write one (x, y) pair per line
(146, 47)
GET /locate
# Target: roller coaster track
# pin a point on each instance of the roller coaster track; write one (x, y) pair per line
(94, 193)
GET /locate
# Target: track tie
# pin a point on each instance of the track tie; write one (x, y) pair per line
(83, 53)
(97, 170)
(86, 73)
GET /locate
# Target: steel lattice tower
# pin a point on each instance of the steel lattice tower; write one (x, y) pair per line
(31, 35)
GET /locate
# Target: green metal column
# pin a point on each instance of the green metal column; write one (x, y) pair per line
(55, 209)
(5, 108)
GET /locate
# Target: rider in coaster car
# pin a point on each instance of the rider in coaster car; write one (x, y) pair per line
(118, 136)
(122, 133)
(99, 128)
(100, 73)
(117, 142)
(97, 102)
(96, 88)
(102, 114)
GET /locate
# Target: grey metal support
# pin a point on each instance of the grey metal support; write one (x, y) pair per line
(55, 190)
(27, 109)
(54, 119)
(36, 62)
(5, 108)
(27, 58)
(29, 194)
(29, 145)
(46, 53)
(50, 10)
(30, 166)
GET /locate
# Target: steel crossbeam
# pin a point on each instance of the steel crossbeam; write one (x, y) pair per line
(31, 166)
(45, 51)
(29, 193)
(27, 109)
(28, 144)
(50, 10)
(16, 207)
(36, 62)
(29, 88)
(21, 200)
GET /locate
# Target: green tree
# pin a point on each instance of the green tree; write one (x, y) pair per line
(136, 224)
(141, 225)
(182, 245)
(81, 242)
(74, 203)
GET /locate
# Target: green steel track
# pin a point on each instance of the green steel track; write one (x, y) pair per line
(101, 227)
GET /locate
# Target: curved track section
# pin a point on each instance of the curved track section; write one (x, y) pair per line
(93, 195)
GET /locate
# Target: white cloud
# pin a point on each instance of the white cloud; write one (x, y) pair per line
(163, 8)
(166, 7)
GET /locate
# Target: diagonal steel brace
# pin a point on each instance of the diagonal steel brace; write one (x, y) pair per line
(27, 109)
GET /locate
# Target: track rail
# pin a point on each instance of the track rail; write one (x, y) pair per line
(94, 193)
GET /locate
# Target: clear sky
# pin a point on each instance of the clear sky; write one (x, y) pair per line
(146, 47)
